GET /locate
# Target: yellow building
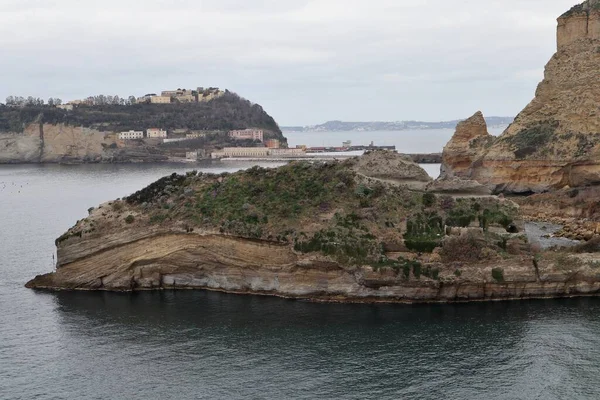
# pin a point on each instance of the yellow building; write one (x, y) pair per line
(241, 152)
(160, 100)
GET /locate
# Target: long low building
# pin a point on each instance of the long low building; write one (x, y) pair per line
(241, 152)
(256, 152)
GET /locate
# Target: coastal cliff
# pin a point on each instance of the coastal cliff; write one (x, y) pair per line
(37, 133)
(47, 143)
(325, 231)
(555, 141)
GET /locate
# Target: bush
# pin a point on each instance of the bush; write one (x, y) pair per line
(129, 219)
(498, 274)
(459, 218)
(465, 248)
(429, 199)
(417, 270)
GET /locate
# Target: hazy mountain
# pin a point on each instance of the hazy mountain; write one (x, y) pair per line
(332, 126)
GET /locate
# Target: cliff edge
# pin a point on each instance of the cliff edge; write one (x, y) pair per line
(555, 141)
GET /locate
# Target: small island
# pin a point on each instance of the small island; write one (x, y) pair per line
(376, 228)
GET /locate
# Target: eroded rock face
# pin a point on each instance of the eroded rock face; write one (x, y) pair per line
(555, 141)
(171, 260)
(391, 167)
(465, 147)
(457, 186)
(46, 143)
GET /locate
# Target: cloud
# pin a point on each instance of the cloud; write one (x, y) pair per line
(304, 60)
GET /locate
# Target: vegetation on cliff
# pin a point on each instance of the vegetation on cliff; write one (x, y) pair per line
(224, 113)
(325, 208)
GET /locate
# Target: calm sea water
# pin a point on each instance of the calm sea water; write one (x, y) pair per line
(410, 141)
(201, 345)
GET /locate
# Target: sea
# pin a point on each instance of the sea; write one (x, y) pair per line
(205, 345)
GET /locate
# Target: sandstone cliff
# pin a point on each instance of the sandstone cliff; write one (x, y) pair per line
(312, 231)
(47, 143)
(555, 141)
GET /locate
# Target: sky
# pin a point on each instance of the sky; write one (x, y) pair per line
(304, 61)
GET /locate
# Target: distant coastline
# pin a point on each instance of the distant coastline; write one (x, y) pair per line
(335, 126)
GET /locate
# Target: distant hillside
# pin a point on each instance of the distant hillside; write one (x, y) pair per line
(224, 113)
(333, 126)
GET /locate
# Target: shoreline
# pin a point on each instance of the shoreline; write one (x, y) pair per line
(322, 299)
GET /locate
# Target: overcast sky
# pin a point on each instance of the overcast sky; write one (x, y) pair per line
(304, 61)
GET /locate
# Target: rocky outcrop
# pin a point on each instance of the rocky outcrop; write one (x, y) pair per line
(555, 141)
(457, 186)
(465, 147)
(391, 167)
(581, 22)
(352, 240)
(47, 143)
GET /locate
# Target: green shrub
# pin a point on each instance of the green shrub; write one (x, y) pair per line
(460, 218)
(416, 268)
(498, 274)
(130, 219)
(429, 199)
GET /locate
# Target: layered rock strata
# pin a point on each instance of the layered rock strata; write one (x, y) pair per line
(47, 143)
(555, 141)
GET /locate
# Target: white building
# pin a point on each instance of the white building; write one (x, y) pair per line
(131, 135)
(156, 133)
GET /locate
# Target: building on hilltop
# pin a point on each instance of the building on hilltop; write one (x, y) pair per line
(186, 98)
(156, 133)
(252, 134)
(160, 100)
(130, 135)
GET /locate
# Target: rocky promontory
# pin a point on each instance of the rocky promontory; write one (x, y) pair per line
(88, 133)
(555, 141)
(320, 231)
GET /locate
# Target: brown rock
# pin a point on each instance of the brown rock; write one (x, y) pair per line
(555, 141)
(465, 147)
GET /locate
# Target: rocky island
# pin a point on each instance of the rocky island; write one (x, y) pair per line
(375, 228)
(331, 231)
